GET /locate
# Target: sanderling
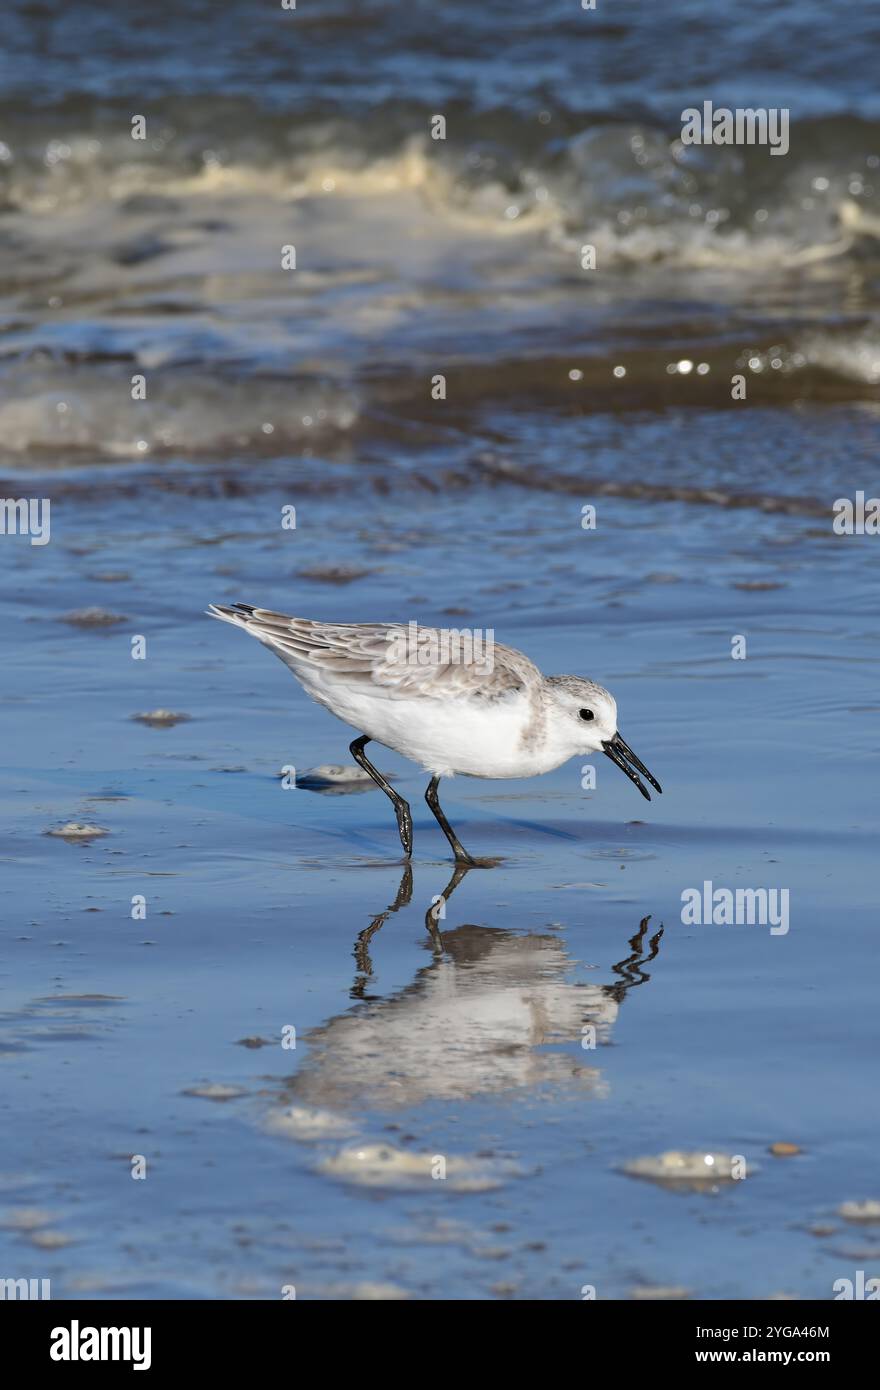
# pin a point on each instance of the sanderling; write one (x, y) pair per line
(490, 719)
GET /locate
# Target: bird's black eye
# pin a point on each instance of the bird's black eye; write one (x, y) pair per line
(586, 714)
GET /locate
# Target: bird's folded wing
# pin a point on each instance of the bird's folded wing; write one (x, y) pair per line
(394, 660)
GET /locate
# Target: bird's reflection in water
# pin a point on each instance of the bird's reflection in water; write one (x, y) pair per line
(403, 899)
(362, 945)
(476, 1020)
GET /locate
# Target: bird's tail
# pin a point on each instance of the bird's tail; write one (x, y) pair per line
(238, 614)
(287, 637)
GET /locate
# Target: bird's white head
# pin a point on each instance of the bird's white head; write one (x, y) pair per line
(589, 710)
(586, 722)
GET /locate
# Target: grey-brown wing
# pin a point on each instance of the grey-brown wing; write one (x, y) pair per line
(395, 659)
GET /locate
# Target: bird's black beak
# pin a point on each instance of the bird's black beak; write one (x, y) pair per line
(621, 754)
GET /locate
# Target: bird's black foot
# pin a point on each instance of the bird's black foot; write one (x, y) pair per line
(469, 862)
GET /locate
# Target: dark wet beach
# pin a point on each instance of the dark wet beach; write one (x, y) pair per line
(270, 909)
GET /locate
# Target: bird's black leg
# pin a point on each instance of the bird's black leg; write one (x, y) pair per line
(401, 809)
(361, 951)
(437, 910)
(458, 849)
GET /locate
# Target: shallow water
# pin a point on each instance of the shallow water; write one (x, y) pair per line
(270, 909)
(261, 903)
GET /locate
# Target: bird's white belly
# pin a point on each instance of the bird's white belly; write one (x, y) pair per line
(484, 739)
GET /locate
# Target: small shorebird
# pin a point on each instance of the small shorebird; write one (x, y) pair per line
(420, 692)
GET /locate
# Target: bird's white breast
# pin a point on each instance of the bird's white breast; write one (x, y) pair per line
(477, 738)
